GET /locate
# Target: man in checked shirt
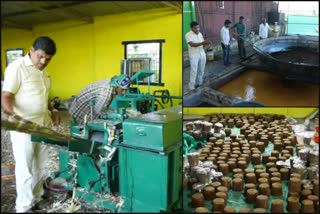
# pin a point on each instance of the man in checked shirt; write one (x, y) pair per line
(97, 97)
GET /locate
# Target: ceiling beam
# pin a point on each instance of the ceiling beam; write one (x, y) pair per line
(68, 12)
(75, 13)
(9, 23)
(172, 5)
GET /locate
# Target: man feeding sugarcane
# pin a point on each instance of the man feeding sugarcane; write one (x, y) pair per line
(97, 97)
(25, 94)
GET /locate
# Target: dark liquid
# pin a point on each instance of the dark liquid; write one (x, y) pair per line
(298, 55)
(271, 90)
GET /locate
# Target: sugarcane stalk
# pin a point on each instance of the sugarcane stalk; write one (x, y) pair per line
(33, 129)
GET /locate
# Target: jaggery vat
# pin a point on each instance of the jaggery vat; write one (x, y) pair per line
(307, 206)
(295, 184)
(208, 193)
(218, 205)
(197, 200)
(293, 204)
(202, 210)
(277, 206)
(251, 196)
(262, 201)
(293, 57)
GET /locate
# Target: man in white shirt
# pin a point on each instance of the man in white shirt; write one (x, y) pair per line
(25, 95)
(263, 29)
(197, 56)
(225, 42)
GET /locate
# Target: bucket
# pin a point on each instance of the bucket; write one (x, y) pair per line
(210, 55)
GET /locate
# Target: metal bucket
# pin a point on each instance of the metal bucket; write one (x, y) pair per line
(210, 55)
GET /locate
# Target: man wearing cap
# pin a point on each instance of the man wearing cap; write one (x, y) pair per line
(25, 94)
(240, 33)
(97, 97)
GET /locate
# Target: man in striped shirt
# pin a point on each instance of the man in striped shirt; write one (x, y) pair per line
(96, 97)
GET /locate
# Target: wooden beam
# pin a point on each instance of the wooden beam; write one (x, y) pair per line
(9, 23)
(75, 13)
(67, 11)
(172, 5)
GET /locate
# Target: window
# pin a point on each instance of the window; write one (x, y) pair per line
(13, 54)
(221, 4)
(144, 55)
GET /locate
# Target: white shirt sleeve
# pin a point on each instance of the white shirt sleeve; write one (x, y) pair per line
(224, 36)
(260, 30)
(188, 37)
(201, 37)
(12, 79)
(269, 27)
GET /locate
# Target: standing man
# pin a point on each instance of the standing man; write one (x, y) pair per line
(25, 95)
(240, 33)
(197, 56)
(225, 41)
(263, 29)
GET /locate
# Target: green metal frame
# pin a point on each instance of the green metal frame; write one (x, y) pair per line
(146, 174)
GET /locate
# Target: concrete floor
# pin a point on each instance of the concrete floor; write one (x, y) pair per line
(216, 69)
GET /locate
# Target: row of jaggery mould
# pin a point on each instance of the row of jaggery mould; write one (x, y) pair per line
(222, 165)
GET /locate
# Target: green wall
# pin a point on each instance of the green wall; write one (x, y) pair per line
(189, 15)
